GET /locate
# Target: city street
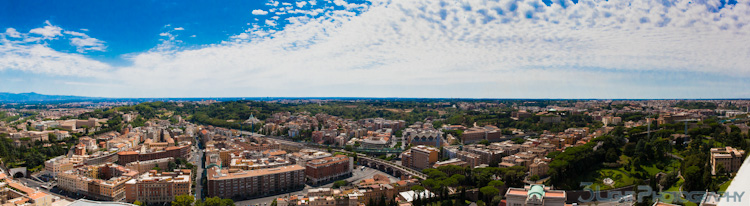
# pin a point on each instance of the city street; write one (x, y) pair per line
(197, 160)
(357, 175)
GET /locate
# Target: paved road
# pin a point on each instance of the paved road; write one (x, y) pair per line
(197, 160)
(357, 175)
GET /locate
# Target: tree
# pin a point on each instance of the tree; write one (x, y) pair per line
(488, 192)
(171, 166)
(216, 201)
(139, 203)
(417, 188)
(274, 203)
(534, 178)
(612, 155)
(183, 200)
(460, 178)
(484, 142)
(340, 183)
(496, 183)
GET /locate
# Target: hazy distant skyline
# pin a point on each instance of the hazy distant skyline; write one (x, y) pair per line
(379, 48)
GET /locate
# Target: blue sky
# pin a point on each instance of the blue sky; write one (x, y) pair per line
(377, 48)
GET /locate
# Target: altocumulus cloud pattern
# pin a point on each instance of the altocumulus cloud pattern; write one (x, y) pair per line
(424, 48)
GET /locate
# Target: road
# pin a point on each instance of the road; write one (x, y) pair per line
(357, 175)
(197, 160)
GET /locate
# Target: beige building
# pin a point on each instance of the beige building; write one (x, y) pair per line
(58, 165)
(730, 158)
(153, 187)
(420, 157)
(102, 182)
(535, 195)
(148, 165)
(471, 159)
(539, 168)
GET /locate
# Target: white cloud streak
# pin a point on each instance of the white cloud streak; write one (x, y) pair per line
(47, 32)
(259, 12)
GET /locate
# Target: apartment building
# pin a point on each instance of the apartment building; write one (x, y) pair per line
(419, 157)
(57, 165)
(148, 165)
(472, 135)
(486, 155)
(471, 159)
(304, 155)
(328, 169)
(153, 187)
(101, 182)
(235, 183)
(143, 154)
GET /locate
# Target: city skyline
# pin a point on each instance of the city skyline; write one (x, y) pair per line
(336, 48)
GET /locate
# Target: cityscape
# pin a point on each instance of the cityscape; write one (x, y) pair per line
(375, 103)
(373, 152)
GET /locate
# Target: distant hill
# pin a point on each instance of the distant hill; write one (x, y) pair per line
(35, 97)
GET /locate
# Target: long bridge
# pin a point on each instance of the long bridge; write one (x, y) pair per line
(388, 167)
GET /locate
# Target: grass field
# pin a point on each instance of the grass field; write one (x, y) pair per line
(621, 178)
(669, 166)
(723, 187)
(676, 186)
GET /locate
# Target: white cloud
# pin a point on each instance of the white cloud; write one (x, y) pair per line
(179, 29)
(270, 22)
(242, 36)
(301, 4)
(11, 32)
(346, 5)
(426, 48)
(47, 32)
(313, 2)
(272, 3)
(41, 59)
(286, 4)
(259, 12)
(192, 35)
(164, 34)
(74, 33)
(88, 44)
